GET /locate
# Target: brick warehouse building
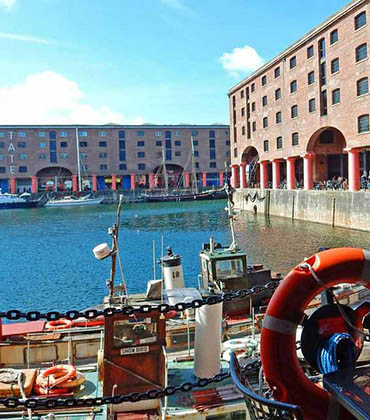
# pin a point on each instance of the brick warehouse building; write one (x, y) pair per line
(38, 158)
(303, 117)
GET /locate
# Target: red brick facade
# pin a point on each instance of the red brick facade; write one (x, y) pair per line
(325, 139)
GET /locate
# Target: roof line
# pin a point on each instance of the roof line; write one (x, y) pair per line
(352, 5)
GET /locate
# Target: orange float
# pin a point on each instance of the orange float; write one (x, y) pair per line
(285, 312)
(58, 373)
(59, 324)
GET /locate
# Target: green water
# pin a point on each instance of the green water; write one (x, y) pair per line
(47, 262)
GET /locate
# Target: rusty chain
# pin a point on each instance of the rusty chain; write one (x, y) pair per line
(15, 314)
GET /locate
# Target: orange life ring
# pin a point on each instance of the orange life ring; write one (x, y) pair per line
(40, 390)
(284, 312)
(59, 373)
(59, 324)
(82, 322)
(74, 382)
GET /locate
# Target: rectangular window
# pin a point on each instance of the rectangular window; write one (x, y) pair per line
(140, 133)
(242, 93)
(334, 65)
(83, 143)
(2, 134)
(177, 142)
(277, 94)
(310, 51)
(42, 145)
(253, 106)
(141, 143)
(197, 165)
(122, 144)
(293, 86)
(196, 153)
(324, 103)
(102, 133)
(212, 134)
(264, 80)
(64, 156)
(63, 134)
(84, 168)
(194, 133)
(178, 153)
(333, 36)
(102, 144)
(22, 156)
(295, 139)
(168, 154)
(293, 62)
(122, 167)
(235, 153)
(323, 74)
(167, 134)
(212, 164)
(265, 145)
(277, 72)
(103, 167)
(168, 144)
(82, 134)
(158, 143)
(21, 134)
(103, 155)
(253, 87)
(278, 117)
(121, 134)
(122, 155)
(335, 96)
(265, 122)
(227, 142)
(177, 133)
(322, 49)
(360, 20)
(254, 126)
(22, 169)
(22, 144)
(195, 142)
(42, 134)
(312, 105)
(361, 52)
(362, 86)
(2, 169)
(363, 123)
(264, 100)
(311, 77)
(53, 157)
(242, 111)
(212, 143)
(52, 135)
(212, 154)
(2, 157)
(141, 155)
(294, 111)
(83, 156)
(279, 142)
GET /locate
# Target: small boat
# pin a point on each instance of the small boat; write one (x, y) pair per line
(71, 200)
(14, 201)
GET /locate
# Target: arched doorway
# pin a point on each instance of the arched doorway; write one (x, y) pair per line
(330, 160)
(174, 174)
(55, 178)
(251, 158)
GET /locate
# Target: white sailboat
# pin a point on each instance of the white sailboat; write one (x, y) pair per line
(73, 200)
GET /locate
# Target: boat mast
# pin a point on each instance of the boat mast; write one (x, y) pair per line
(78, 161)
(230, 208)
(194, 181)
(164, 169)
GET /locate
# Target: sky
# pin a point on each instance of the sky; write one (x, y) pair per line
(139, 61)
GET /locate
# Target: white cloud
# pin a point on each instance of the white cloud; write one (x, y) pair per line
(51, 98)
(241, 61)
(26, 38)
(7, 4)
(174, 4)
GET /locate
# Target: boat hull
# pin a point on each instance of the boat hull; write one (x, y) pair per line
(65, 203)
(183, 197)
(25, 205)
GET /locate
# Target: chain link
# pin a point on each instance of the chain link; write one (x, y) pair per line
(15, 315)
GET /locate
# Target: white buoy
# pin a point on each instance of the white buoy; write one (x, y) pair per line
(173, 274)
(207, 348)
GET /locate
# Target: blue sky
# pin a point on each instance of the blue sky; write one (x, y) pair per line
(135, 61)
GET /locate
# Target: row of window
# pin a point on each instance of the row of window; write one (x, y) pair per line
(279, 142)
(361, 51)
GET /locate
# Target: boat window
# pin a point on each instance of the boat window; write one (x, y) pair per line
(134, 332)
(229, 268)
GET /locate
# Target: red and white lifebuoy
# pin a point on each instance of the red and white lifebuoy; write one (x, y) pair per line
(56, 375)
(284, 313)
(59, 324)
(83, 322)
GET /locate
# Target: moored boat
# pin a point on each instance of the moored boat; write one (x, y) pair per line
(14, 201)
(73, 201)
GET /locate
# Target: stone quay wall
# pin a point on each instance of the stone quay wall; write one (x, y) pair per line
(336, 208)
